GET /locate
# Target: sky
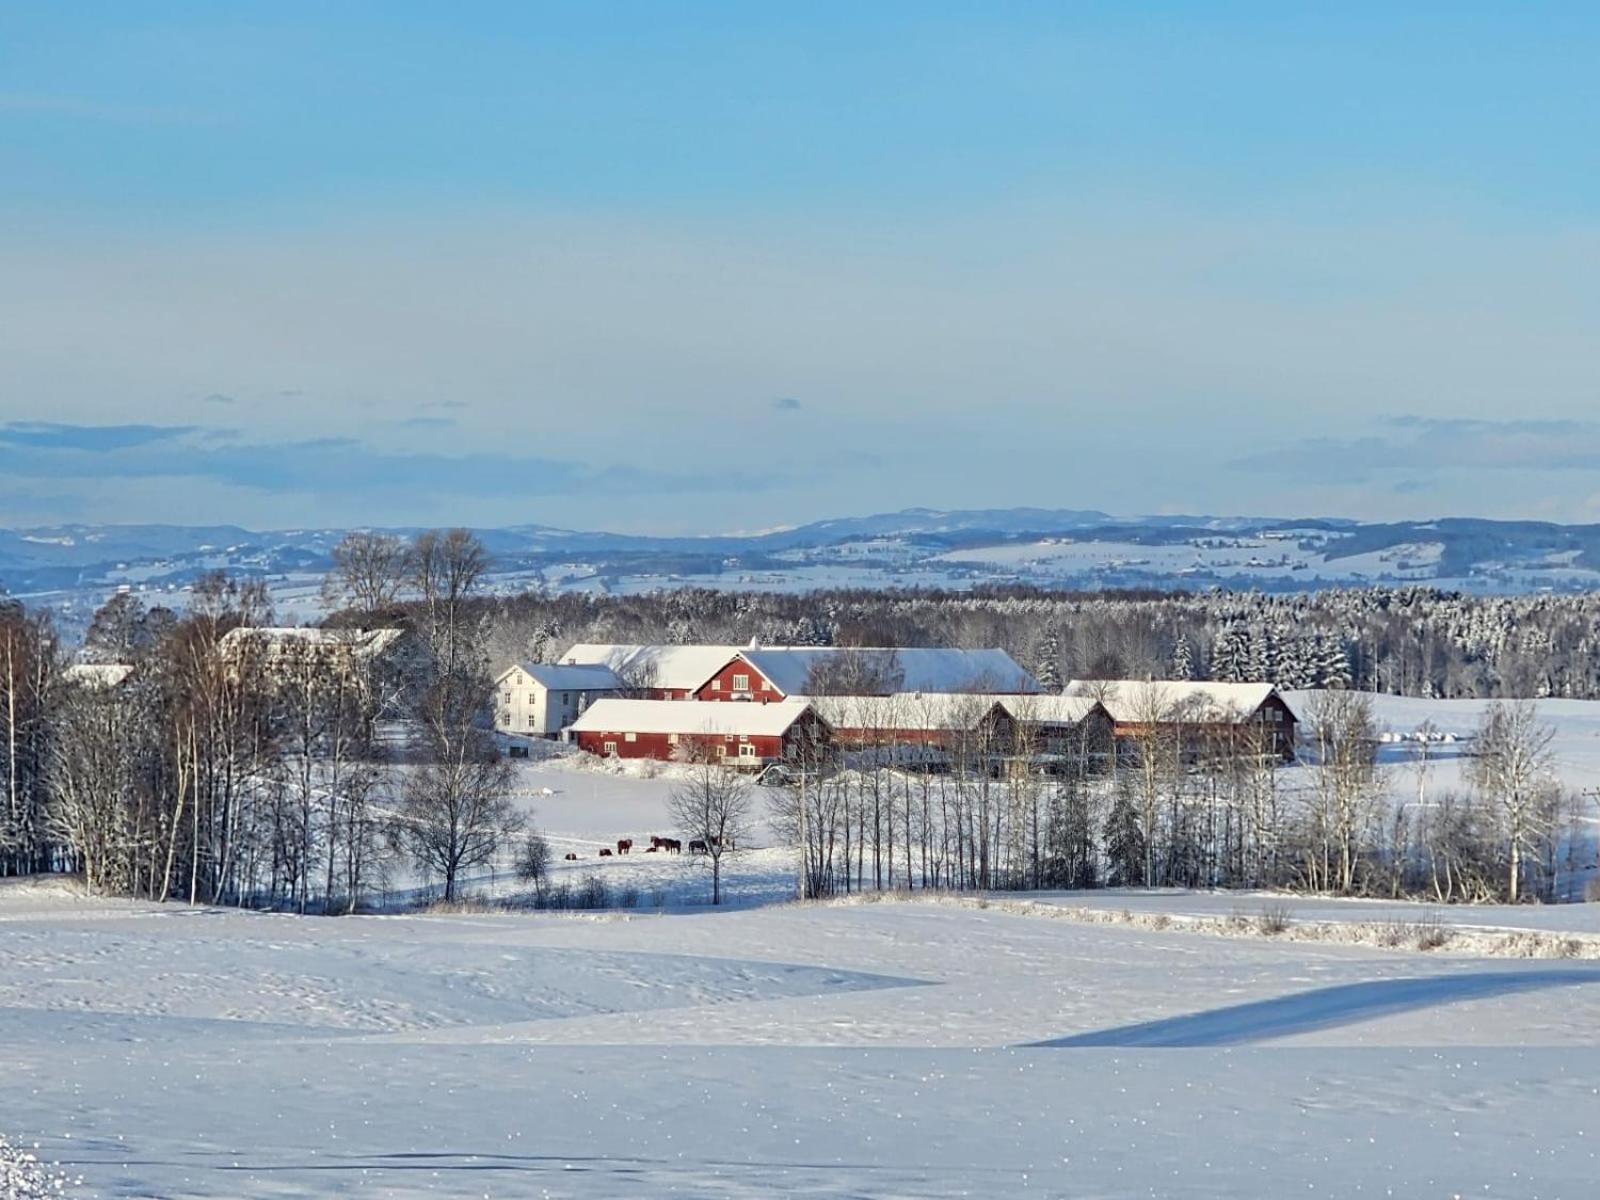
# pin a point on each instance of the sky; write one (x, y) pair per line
(683, 267)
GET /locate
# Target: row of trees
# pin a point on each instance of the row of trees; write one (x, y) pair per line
(1212, 806)
(223, 764)
(1406, 641)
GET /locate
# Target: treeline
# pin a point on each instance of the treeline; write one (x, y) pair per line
(1209, 807)
(210, 761)
(1406, 641)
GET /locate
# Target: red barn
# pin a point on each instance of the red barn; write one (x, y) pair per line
(748, 735)
(1199, 716)
(782, 672)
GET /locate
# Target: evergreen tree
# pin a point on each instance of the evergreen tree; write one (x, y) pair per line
(1124, 843)
(1182, 658)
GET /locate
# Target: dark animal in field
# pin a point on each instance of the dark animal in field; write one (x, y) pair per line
(657, 842)
(651, 849)
(572, 857)
(605, 852)
(624, 845)
(698, 847)
(672, 844)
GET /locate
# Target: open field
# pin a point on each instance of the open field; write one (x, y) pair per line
(922, 1047)
(882, 1049)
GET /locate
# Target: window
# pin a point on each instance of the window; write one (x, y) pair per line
(722, 752)
(533, 697)
(532, 724)
(672, 739)
(716, 685)
(746, 750)
(741, 683)
(630, 737)
(611, 749)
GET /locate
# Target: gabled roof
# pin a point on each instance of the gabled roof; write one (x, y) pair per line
(1048, 710)
(576, 677)
(1132, 701)
(676, 667)
(277, 641)
(711, 717)
(97, 675)
(911, 669)
(906, 711)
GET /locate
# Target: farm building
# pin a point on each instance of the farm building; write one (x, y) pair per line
(1065, 728)
(782, 672)
(387, 664)
(1043, 729)
(541, 699)
(97, 677)
(657, 672)
(1201, 717)
(746, 735)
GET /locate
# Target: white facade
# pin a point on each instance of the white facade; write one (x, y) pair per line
(540, 700)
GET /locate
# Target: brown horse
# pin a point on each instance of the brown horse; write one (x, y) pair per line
(624, 845)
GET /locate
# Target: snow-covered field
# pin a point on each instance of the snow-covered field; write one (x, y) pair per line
(900, 1048)
(865, 1050)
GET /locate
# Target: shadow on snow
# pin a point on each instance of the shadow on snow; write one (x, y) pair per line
(1322, 1008)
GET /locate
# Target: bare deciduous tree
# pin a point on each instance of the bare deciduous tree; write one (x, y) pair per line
(1512, 771)
(712, 805)
(369, 571)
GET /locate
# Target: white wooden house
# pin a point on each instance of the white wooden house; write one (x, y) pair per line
(542, 699)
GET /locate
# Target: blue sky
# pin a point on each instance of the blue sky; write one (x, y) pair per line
(701, 267)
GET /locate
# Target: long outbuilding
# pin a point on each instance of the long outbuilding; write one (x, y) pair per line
(746, 735)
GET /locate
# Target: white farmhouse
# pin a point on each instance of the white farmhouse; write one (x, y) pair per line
(541, 699)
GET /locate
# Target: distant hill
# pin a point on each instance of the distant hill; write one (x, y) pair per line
(72, 567)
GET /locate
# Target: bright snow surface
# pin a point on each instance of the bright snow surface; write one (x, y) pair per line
(892, 1049)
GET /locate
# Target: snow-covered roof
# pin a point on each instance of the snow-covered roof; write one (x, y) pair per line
(917, 669)
(906, 711)
(577, 677)
(689, 717)
(1048, 710)
(285, 639)
(677, 667)
(1134, 700)
(97, 675)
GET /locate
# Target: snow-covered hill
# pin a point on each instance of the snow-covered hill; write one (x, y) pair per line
(73, 568)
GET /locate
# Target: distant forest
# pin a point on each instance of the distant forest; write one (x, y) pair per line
(1409, 641)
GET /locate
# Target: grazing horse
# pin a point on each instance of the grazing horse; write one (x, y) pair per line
(624, 845)
(605, 852)
(571, 857)
(698, 847)
(672, 844)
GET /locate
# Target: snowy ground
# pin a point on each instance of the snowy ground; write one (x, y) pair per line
(869, 1050)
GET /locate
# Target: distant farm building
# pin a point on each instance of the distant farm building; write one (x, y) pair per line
(97, 677)
(655, 672)
(742, 735)
(784, 672)
(541, 699)
(1198, 718)
(1051, 731)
